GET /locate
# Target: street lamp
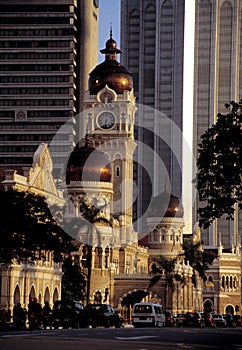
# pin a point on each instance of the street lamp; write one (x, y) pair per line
(87, 263)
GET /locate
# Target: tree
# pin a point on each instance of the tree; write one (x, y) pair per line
(198, 259)
(219, 164)
(28, 229)
(90, 214)
(163, 266)
(73, 281)
(89, 219)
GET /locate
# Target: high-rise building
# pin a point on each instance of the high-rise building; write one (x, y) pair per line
(217, 80)
(47, 49)
(185, 57)
(152, 35)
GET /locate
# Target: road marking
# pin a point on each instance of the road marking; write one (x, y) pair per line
(31, 333)
(135, 338)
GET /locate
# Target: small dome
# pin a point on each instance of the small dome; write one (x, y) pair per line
(88, 164)
(110, 72)
(166, 205)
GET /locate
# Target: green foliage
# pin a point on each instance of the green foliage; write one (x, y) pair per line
(162, 266)
(198, 259)
(27, 229)
(73, 281)
(219, 166)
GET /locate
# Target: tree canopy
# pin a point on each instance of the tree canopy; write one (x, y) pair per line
(27, 229)
(219, 164)
(73, 281)
(198, 259)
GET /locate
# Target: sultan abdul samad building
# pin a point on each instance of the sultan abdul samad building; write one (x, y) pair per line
(99, 171)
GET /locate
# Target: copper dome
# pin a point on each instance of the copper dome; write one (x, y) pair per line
(110, 72)
(88, 164)
(166, 205)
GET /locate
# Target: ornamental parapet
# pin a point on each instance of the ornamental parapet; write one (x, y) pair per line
(78, 186)
(165, 221)
(125, 276)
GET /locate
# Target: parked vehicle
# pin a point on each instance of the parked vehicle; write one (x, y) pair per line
(193, 319)
(230, 320)
(101, 315)
(148, 314)
(209, 320)
(180, 319)
(238, 320)
(170, 319)
(66, 314)
(219, 320)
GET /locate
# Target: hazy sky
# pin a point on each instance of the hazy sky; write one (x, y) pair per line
(109, 13)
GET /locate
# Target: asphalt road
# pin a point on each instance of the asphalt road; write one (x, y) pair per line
(124, 339)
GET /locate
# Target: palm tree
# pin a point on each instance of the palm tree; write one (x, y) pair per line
(163, 266)
(198, 259)
(90, 217)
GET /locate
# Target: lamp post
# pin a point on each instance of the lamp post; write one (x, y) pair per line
(87, 263)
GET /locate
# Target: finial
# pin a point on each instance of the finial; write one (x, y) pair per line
(111, 31)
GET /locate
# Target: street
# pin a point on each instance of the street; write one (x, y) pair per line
(123, 338)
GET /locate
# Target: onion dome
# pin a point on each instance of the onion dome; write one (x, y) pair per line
(88, 164)
(166, 205)
(110, 72)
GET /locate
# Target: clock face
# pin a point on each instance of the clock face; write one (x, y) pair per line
(106, 120)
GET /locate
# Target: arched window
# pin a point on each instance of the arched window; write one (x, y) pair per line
(155, 235)
(98, 297)
(106, 258)
(223, 282)
(98, 257)
(117, 171)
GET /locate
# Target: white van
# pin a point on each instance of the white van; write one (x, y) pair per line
(148, 314)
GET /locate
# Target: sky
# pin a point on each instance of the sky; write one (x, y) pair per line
(109, 14)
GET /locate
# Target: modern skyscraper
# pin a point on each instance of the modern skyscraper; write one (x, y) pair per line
(185, 57)
(152, 36)
(217, 80)
(47, 49)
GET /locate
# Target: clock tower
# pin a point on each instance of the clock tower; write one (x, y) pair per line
(108, 121)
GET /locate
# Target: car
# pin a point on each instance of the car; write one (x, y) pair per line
(219, 320)
(102, 315)
(193, 319)
(180, 319)
(238, 320)
(66, 313)
(209, 320)
(230, 321)
(169, 319)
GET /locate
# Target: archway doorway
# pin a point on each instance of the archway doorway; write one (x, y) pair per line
(129, 300)
(208, 306)
(16, 296)
(229, 309)
(32, 293)
(47, 295)
(55, 295)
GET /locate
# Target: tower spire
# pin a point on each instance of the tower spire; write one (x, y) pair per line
(111, 31)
